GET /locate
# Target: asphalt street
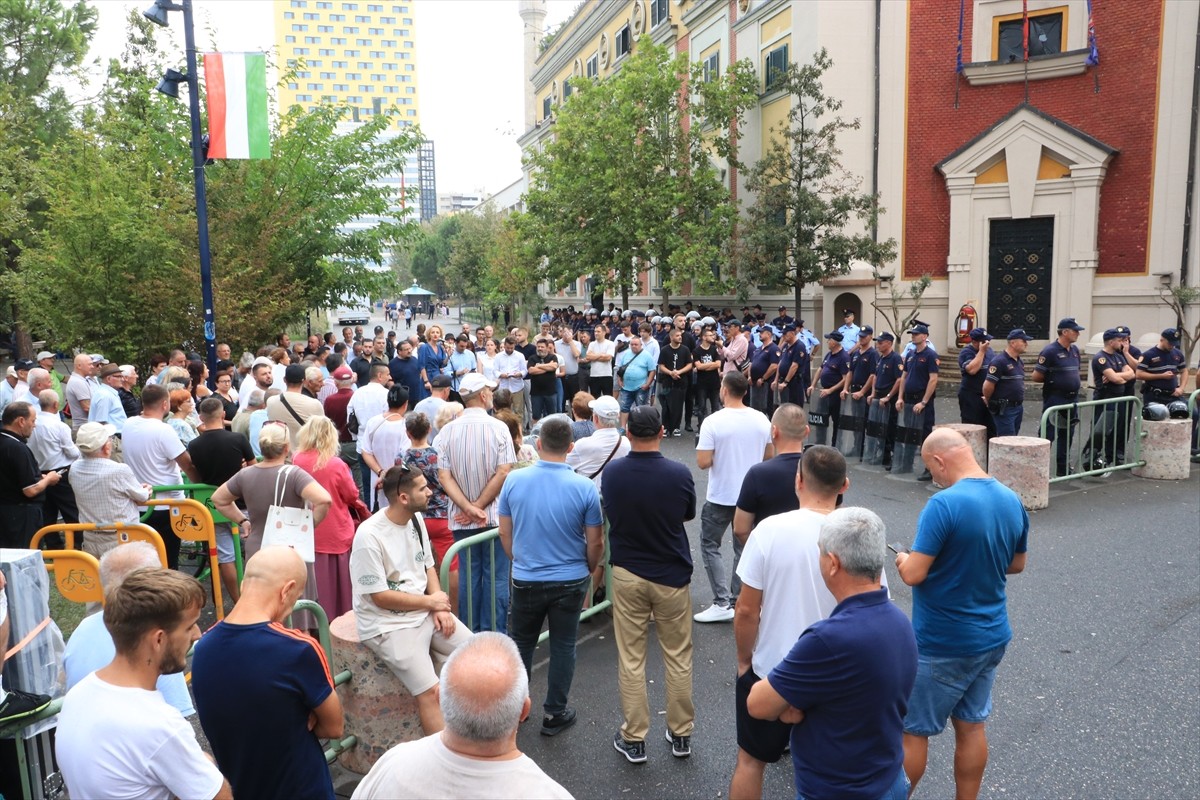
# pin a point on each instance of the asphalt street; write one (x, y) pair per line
(1098, 695)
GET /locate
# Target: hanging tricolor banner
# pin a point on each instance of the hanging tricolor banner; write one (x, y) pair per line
(236, 87)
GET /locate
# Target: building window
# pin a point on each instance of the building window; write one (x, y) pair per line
(353, 76)
(389, 66)
(336, 40)
(1047, 35)
(363, 42)
(324, 5)
(312, 39)
(391, 90)
(404, 56)
(324, 29)
(566, 89)
(374, 8)
(337, 17)
(378, 77)
(299, 27)
(328, 76)
(658, 12)
(311, 15)
(387, 43)
(303, 98)
(315, 62)
(776, 67)
(387, 20)
(410, 67)
(351, 54)
(412, 112)
(289, 39)
(407, 21)
(410, 90)
(349, 6)
(361, 18)
(340, 64)
(592, 67)
(293, 86)
(364, 65)
(301, 51)
(350, 29)
(712, 67)
(299, 4)
(375, 31)
(341, 87)
(326, 52)
(314, 87)
(546, 107)
(623, 43)
(289, 15)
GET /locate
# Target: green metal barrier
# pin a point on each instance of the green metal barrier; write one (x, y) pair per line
(1100, 424)
(465, 566)
(203, 492)
(1193, 398)
(336, 746)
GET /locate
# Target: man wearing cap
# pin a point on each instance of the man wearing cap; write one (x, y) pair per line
(918, 386)
(973, 363)
(52, 447)
(1163, 371)
(882, 388)
(1111, 373)
(835, 366)
(1057, 369)
(1004, 385)
(45, 360)
(592, 454)
(79, 390)
(475, 455)
(652, 574)
(783, 320)
(862, 360)
(848, 330)
(795, 366)
(106, 491)
(20, 390)
(293, 407)
(764, 366)
(106, 404)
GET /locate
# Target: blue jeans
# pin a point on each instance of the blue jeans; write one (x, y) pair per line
(542, 406)
(714, 520)
(535, 602)
(951, 686)
(483, 571)
(1008, 421)
(627, 400)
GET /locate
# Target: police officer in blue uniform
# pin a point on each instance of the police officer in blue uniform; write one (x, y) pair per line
(783, 320)
(1004, 384)
(884, 386)
(795, 367)
(1057, 369)
(919, 384)
(863, 359)
(834, 368)
(811, 342)
(849, 330)
(1112, 375)
(972, 363)
(1163, 371)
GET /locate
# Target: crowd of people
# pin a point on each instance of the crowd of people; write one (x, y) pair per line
(400, 446)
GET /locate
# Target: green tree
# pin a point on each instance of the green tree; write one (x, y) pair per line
(465, 270)
(799, 229)
(629, 175)
(431, 250)
(514, 270)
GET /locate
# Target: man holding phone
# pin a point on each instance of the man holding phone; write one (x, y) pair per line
(970, 537)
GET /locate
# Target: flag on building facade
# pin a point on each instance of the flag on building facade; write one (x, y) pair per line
(236, 88)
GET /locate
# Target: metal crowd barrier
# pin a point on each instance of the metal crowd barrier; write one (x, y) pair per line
(465, 568)
(1094, 430)
(1193, 398)
(336, 746)
(203, 492)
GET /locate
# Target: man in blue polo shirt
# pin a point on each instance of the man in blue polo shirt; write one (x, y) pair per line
(1057, 369)
(551, 528)
(846, 681)
(973, 363)
(764, 364)
(1004, 384)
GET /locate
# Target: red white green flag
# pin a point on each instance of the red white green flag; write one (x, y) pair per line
(236, 87)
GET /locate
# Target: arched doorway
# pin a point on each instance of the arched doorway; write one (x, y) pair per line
(846, 301)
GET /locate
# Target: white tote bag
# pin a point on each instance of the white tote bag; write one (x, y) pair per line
(289, 527)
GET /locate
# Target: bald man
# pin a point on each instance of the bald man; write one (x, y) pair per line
(970, 537)
(78, 393)
(263, 691)
(484, 695)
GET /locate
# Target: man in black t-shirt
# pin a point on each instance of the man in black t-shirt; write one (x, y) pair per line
(708, 376)
(674, 364)
(218, 454)
(543, 379)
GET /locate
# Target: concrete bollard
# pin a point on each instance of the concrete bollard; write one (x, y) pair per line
(1166, 449)
(976, 436)
(1022, 463)
(378, 709)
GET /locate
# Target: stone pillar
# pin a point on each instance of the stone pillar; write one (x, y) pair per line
(1166, 449)
(1022, 463)
(976, 436)
(377, 707)
(533, 20)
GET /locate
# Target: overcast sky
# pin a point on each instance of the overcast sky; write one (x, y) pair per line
(470, 66)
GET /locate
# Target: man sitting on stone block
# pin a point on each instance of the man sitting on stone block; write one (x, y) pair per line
(401, 612)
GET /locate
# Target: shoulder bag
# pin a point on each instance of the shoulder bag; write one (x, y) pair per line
(286, 526)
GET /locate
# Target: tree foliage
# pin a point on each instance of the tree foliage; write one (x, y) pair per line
(627, 176)
(115, 264)
(1184, 302)
(431, 251)
(800, 229)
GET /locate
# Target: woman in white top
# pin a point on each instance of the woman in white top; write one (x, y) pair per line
(384, 439)
(487, 360)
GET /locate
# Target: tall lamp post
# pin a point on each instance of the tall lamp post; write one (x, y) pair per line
(169, 85)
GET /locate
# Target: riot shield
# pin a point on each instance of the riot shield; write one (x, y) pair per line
(875, 434)
(819, 418)
(909, 432)
(852, 427)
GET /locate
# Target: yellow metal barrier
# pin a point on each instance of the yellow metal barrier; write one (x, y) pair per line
(192, 522)
(126, 533)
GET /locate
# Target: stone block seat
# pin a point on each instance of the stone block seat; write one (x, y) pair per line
(1166, 449)
(976, 436)
(377, 707)
(1022, 463)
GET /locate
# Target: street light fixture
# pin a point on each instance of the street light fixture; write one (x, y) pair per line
(169, 86)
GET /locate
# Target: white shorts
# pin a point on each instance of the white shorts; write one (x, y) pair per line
(416, 655)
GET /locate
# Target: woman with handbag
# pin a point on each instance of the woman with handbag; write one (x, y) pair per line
(281, 500)
(334, 535)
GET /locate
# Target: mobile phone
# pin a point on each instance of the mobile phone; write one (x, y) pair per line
(897, 548)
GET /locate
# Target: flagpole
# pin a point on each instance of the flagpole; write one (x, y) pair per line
(198, 157)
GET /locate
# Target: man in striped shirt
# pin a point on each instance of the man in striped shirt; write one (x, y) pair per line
(475, 453)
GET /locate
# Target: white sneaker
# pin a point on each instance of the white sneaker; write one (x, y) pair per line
(714, 613)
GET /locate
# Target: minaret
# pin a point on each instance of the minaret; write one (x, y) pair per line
(533, 15)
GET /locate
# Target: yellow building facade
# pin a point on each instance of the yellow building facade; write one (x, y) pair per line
(359, 54)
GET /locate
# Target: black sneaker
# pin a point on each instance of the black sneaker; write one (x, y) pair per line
(681, 746)
(634, 752)
(556, 724)
(18, 705)
(677, 432)
(925, 476)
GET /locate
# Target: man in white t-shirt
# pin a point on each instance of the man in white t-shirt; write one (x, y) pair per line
(484, 698)
(600, 354)
(438, 397)
(782, 594)
(368, 402)
(117, 736)
(153, 451)
(732, 440)
(402, 614)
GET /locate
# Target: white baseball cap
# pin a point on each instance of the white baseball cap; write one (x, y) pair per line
(606, 406)
(474, 382)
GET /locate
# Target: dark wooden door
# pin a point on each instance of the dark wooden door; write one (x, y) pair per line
(1020, 256)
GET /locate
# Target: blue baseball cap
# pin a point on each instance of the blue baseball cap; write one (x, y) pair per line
(1069, 324)
(919, 328)
(886, 337)
(1170, 334)
(980, 335)
(834, 336)
(1019, 333)
(866, 330)
(1112, 333)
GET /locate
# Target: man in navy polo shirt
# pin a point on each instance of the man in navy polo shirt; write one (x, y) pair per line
(834, 369)
(795, 365)
(1004, 384)
(1057, 369)
(846, 681)
(884, 386)
(918, 387)
(769, 487)
(973, 363)
(764, 364)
